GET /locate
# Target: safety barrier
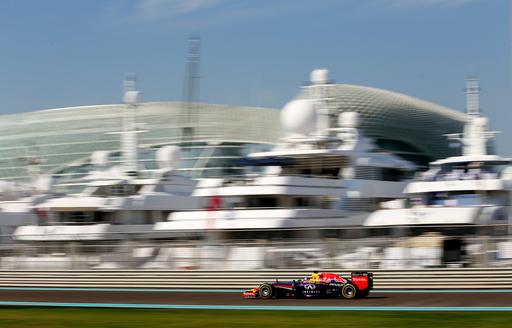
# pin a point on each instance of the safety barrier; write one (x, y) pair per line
(466, 278)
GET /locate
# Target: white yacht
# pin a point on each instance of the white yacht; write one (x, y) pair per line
(118, 203)
(323, 174)
(18, 205)
(471, 190)
(114, 204)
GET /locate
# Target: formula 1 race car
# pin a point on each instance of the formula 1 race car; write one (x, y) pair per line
(318, 285)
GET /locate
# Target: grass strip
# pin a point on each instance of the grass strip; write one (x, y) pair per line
(74, 317)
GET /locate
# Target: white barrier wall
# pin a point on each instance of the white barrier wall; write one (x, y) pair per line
(478, 278)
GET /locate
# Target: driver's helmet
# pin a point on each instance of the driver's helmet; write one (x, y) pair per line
(315, 277)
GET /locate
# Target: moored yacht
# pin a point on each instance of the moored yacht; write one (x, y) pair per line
(471, 190)
(116, 205)
(323, 174)
(18, 205)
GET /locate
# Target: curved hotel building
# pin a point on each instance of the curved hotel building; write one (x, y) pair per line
(60, 141)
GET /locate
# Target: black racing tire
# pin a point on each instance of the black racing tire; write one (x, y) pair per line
(266, 291)
(349, 291)
(363, 294)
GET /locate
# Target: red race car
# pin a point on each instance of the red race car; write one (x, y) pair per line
(318, 285)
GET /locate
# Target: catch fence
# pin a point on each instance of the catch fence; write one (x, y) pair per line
(427, 250)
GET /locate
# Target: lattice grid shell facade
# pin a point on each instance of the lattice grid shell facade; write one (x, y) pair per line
(409, 126)
(59, 137)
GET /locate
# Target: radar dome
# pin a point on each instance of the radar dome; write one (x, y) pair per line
(348, 120)
(132, 97)
(7, 186)
(299, 116)
(168, 157)
(320, 76)
(44, 183)
(482, 122)
(99, 158)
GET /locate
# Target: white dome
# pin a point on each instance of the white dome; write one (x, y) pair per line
(132, 97)
(168, 157)
(348, 120)
(482, 121)
(44, 183)
(299, 117)
(320, 76)
(7, 186)
(99, 158)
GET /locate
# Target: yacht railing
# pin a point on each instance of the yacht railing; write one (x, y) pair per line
(456, 174)
(381, 248)
(250, 179)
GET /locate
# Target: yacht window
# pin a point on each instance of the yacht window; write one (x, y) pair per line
(498, 197)
(390, 174)
(464, 198)
(436, 199)
(148, 217)
(302, 202)
(321, 166)
(77, 218)
(320, 172)
(158, 216)
(360, 204)
(122, 190)
(305, 172)
(330, 172)
(117, 190)
(81, 217)
(311, 202)
(367, 173)
(381, 173)
(262, 202)
(466, 171)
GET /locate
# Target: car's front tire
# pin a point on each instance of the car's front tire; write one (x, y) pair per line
(266, 291)
(349, 291)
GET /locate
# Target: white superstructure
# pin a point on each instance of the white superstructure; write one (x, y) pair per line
(18, 205)
(117, 202)
(112, 205)
(472, 189)
(324, 173)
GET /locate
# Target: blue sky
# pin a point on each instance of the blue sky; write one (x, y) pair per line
(58, 53)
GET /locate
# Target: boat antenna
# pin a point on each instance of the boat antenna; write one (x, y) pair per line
(191, 91)
(472, 92)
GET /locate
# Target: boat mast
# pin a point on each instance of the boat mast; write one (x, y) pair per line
(131, 100)
(476, 133)
(319, 84)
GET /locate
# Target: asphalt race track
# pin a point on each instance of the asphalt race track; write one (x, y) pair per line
(376, 299)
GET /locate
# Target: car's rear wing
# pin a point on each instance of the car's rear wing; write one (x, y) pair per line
(362, 279)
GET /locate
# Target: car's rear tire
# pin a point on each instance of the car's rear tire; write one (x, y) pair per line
(363, 294)
(349, 291)
(266, 291)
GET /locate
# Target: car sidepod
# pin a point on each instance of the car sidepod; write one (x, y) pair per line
(283, 289)
(316, 290)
